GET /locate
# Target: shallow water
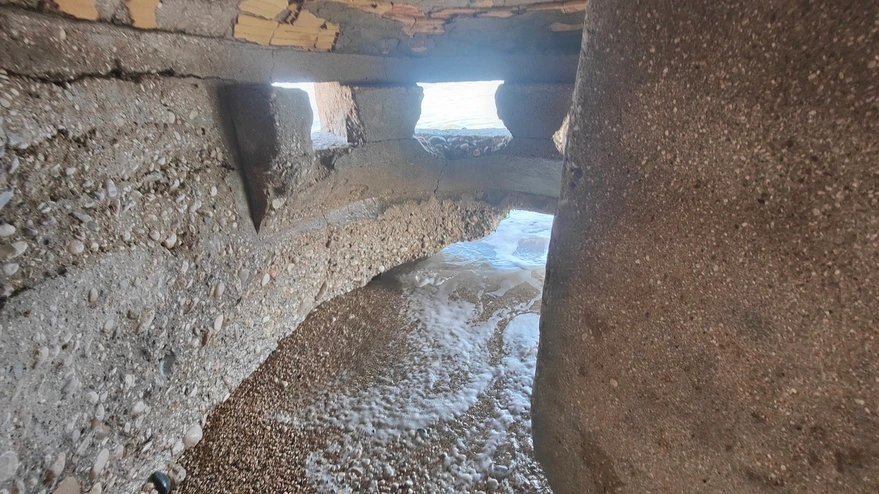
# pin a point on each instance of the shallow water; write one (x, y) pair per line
(452, 412)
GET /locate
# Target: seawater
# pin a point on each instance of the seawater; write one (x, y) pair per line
(463, 379)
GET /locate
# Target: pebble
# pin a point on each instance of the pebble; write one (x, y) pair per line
(100, 462)
(10, 268)
(265, 279)
(218, 323)
(68, 486)
(57, 468)
(500, 471)
(170, 117)
(92, 397)
(177, 473)
(6, 230)
(13, 250)
(8, 466)
(112, 191)
(192, 436)
(5, 197)
(75, 247)
(221, 289)
(93, 295)
(138, 408)
(96, 489)
(161, 482)
(171, 241)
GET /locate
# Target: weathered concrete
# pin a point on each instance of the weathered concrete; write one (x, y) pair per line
(136, 291)
(51, 47)
(710, 319)
(534, 111)
(379, 27)
(369, 113)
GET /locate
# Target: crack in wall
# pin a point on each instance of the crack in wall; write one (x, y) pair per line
(440, 177)
(116, 73)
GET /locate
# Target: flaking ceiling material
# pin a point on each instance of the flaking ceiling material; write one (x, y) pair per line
(415, 21)
(283, 23)
(142, 13)
(277, 23)
(81, 9)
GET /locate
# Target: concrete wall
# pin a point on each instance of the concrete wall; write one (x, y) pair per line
(136, 291)
(710, 314)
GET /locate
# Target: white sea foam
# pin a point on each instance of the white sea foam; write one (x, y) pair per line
(463, 377)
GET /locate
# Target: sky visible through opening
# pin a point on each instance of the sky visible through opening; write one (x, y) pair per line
(446, 105)
(459, 105)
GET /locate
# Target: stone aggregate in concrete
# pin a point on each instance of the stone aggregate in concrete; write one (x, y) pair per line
(710, 315)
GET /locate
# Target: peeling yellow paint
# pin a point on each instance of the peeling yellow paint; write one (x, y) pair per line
(267, 9)
(142, 13)
(569, 7)
(416, 21)
(300, 28)
(377, 7)
(254, 29)
(81, 9)
(560, 27)
(277, 23)
(500, 13)
(446, 13)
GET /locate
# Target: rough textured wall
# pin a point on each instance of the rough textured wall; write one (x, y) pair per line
(136, 292)
(710, 314)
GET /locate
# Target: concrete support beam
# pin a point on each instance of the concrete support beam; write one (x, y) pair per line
(709, 321)
(51, 47)
(369, 113)
(533, 111)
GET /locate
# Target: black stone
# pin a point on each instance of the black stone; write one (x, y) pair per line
(161, 482)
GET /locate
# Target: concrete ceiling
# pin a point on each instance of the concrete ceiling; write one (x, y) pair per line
(415, 29)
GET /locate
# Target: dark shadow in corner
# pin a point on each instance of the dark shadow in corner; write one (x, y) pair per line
(249, 130)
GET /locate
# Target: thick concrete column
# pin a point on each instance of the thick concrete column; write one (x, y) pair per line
(369, 113)
(710, 316)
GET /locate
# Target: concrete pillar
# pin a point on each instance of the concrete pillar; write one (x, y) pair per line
(710, 317)
(369, 113)
(268, 133)
(533, 111)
